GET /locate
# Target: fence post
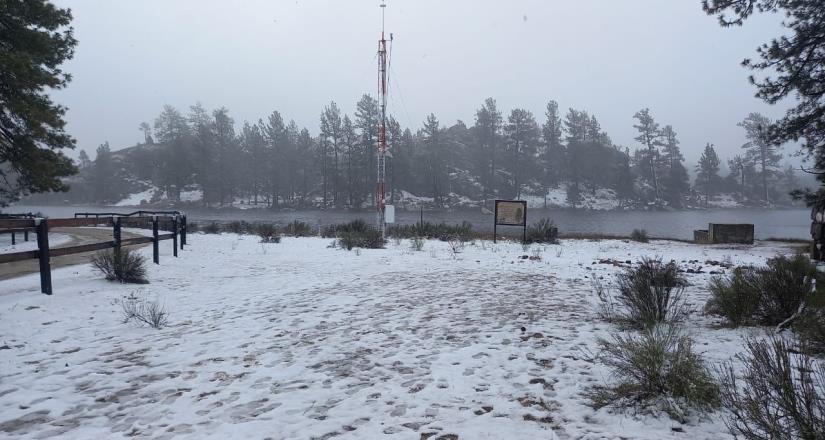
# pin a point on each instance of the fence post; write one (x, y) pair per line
(175, 236)
(182, 231)
(13, 240)
(42, 229)
(155, 241)
(25, 235)
(116, 233)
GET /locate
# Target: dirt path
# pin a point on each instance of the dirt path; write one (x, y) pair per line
(78, 236)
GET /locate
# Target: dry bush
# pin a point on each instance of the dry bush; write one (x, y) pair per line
(779, 396)
(542, 231)
(656, 369)
(298, 228)
(211, 228)
(782, 293)
(417, 244)
(122, 265)
(648, 294)
(151, 313)
(736, 297)
(268, 233)
(639, 235)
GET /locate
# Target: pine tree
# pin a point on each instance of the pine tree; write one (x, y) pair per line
(737, 165)
(84, 163)
(552, 155)
(707, 171)
(759, 150)
(649, 137)
(169, 125)
(35, 39)
(104, 176)
(331, 133)
(488, 124)
(792, 66)
(147, 133)
(522, 135)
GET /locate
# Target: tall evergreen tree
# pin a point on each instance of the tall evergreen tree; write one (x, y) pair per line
(649, 136)
(759, 151)
(522, 136)
(707, 172)
(552, 156)
(35, 39)
(488, 125)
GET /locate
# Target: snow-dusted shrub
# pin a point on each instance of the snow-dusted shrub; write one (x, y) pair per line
(648, 294)
(810, 327)
(736, 297)
(356, 233)
(368, 239)
(151, 313)
(334, 231)
(441, 231)
(639, 235)
(786, 284)
(417, 244)
(298, 228)
(657, 369)
(779, 293)
(121, 265)
(542, 231)
(456, 245)
(779, 396)
(268, 233)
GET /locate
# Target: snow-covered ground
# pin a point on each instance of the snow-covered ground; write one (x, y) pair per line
(136, 199)
(298, 340)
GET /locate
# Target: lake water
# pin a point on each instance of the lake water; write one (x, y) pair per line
(772, 223)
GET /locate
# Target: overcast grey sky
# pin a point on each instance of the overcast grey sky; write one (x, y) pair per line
(608, 57)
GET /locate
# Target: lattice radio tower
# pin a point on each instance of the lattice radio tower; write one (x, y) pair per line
(380, 187)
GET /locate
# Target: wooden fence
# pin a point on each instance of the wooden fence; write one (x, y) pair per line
(174, 223)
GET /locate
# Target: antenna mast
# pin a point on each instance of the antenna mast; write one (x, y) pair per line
(380, 187)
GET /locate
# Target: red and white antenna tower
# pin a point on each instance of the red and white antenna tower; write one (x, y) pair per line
(380, 187)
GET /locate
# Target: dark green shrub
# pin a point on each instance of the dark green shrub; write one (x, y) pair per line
(238, 227)
(122, 265)
(542, 231)
(268, 233)
(810, 327)
(735, 297)
(780, 395)
(441, 231)
(777, 291)
(785, 283)
(192, 227)
(212, 228)
(648, 294)
(368, 239)
(658, 367)
(355, 226)
(356, 233)
(297, 228)
(639, 235)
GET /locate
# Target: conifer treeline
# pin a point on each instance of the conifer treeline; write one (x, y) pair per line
(276, 163)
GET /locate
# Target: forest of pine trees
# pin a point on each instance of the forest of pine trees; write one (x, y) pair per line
(275, 163)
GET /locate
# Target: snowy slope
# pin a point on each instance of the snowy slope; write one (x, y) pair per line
(297, 340)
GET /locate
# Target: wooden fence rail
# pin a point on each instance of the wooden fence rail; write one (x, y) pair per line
(171, 221)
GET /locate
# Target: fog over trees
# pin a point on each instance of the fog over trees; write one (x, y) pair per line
(272, 162)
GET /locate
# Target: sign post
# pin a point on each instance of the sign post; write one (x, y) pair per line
(510, 213)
